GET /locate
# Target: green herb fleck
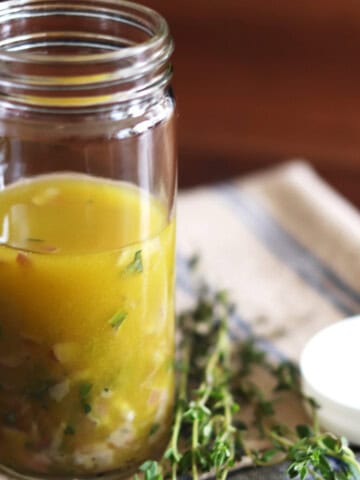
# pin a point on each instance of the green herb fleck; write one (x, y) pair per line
(84, 391)
(86, 407)
(10, 418)
(35, 240)
(154, 428)
(136, 266)
(118, 319)
(69, 430)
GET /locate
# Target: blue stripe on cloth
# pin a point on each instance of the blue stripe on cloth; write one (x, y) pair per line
(182, 282)
(290, 251)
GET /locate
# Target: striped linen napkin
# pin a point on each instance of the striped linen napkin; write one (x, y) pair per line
(285, 245)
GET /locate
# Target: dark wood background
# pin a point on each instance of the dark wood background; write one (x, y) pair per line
(261, 81)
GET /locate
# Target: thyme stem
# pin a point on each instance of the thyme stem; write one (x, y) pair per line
(182, 397)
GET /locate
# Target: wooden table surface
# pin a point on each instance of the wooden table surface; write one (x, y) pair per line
(260, 82)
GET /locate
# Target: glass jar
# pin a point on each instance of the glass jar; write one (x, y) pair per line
(87, 191)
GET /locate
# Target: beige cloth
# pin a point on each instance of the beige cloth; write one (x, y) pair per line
(284, 244)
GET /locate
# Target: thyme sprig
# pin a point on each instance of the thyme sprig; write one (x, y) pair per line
(203, 436)
(210, 433)
(310, 453)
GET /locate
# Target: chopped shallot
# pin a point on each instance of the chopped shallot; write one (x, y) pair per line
(45, 197)
(122, 436)
(98, 455)
(65, 352)
(58, 392)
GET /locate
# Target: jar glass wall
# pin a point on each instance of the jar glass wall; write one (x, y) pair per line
(87, 192)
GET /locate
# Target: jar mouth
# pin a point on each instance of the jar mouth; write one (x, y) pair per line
(114, 45)
(133, 13)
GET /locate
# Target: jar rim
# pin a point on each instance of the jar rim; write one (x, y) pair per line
(119, 52)
(156, 40)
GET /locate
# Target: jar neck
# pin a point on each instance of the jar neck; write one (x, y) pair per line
(57, 56)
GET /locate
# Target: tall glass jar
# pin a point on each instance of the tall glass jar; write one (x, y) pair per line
(87, 191)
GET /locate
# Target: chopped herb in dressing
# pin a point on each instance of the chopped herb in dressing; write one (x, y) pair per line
(136, 266)
(35, 240)
(86, 407)
(154, 428)
(117, 319)
(69, 430)
(84, 391)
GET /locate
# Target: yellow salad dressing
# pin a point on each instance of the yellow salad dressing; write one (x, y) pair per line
(86, 325)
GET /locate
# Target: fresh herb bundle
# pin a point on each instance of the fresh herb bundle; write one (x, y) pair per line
(215, 384)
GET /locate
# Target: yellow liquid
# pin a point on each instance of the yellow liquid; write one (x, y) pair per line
(86, 318)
